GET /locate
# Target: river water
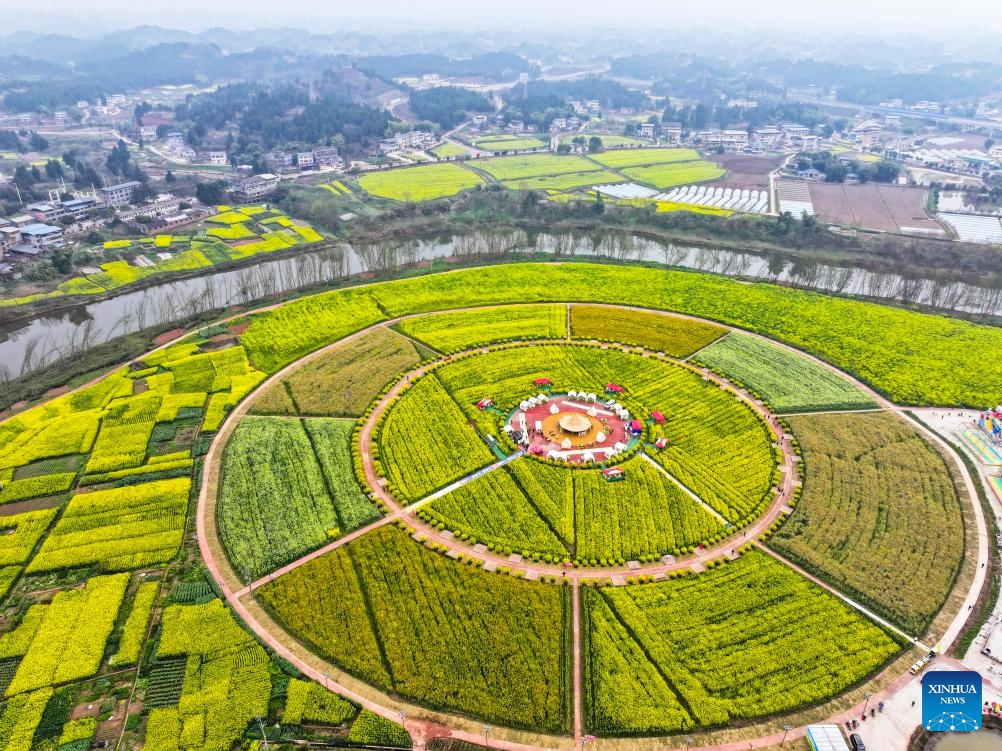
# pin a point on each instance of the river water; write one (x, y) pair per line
(26, 346)
(982, 740)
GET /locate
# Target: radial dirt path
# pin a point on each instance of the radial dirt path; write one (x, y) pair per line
(426, 724)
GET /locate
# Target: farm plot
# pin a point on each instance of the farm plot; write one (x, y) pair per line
(508, 143)
(746, 171)
(873, 491)
(134, 632)
(678, 337)
(64, 641)
(313, 703)
(278, 500)
(664, 176)
(452, 332)
(452, 637)
(119, 529)
(788, 381)
(422, 183)
(534, 165)
(425, 442)
(763, 641)
(448, 150)
(344, 381)
(226, 681)
(20, 533)
(566, 181)
(888, 208)
(718, 447)
(644, 157)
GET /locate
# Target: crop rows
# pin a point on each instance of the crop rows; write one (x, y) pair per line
(879, 517)
(20, 718)
(226, 682)
(279, 498)
(678, 337)
(67, 637)
(119, 529)
(310, 702)
(134, 633)
(421, 183)
(342, 382)
(452, 332)
(373, 730)
(739, 642)
(788, 381)
(413, 622)
(20, 533)
(425, 442)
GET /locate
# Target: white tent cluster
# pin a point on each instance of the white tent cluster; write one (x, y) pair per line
(533, 401)
(618, 409)
(582, 396)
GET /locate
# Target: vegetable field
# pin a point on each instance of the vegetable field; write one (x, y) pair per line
(644, 157)
(413, 622)
(534, 165)
(879, 517)
(452, 332)
(788, 381)
(425, 442)
(678, 337)
(344, 381)
(422, 183)
(656, 664)
(288, 487)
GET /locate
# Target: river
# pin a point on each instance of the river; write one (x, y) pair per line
(28, 345)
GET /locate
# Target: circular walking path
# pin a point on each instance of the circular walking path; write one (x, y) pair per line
(424, 724)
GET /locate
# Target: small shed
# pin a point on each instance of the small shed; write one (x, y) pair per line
(614, 474)
(658, 417)
(613, 388)
(661, 443)
(636, 427)
(485, 403)
(542, 383)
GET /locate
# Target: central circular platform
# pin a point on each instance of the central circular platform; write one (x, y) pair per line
(574, 424)
(574, 428)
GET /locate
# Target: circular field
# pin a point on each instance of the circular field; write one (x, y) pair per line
(553, 499)
(605, 515)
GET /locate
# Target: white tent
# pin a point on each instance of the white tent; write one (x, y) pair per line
(599, 437)
(542, 398)
(572, 394)
(592, 412)
(619, 446)
(592, 398)
(566, 443)
(553, 455)
(588, 456)
(554, 409)
(533, 401)
(524, 406)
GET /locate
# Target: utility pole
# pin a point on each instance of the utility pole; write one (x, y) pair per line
(264, 735)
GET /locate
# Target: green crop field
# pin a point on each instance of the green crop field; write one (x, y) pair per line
(452, 332)
(718, 448)
(643, 517)
(788, 381)
(677, 337)
(425, 441)
(615, 141)
(533, 165)
(288, 488)
(106, 479)
(566, 181)
(644, 157)
(421, 183)
(664, 176)
(873, 492)
(344, 381)
(449, 149)
(657, 664)
(508, 143)
(451, 637)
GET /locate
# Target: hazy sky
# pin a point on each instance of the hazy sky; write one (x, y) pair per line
(861, 15)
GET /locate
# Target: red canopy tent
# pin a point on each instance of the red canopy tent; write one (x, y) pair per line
(661, 443)
(613, 388)
(657, 416)
(636, 427)
(485, 403)
(542, 382)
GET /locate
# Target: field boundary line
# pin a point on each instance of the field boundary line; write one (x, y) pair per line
(810, 413)
(845, 598)
(389, 327)
(686, 490)
(483, 471)
(689, 357)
